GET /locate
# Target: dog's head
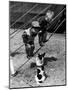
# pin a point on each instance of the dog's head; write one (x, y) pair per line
(41, 56)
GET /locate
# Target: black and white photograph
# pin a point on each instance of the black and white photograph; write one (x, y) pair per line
(37, 44)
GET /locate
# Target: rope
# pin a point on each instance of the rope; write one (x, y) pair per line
(24, 15)
(19, 48)
(56, 17)
(56, 29)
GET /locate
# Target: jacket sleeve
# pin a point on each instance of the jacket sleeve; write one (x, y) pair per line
(25, 38)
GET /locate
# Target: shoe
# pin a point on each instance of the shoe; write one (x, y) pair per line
(41, 44)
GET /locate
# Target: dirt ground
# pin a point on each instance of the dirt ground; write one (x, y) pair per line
(54, 62)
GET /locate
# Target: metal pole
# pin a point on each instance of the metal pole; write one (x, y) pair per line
(56, 29)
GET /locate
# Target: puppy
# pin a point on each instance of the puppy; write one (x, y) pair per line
(40, 74)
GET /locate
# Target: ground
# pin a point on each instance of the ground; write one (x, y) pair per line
(54, 62)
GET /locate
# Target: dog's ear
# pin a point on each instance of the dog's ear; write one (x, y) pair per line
(43, 54)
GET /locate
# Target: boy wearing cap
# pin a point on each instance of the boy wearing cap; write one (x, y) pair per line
(28, 39)
(43, 22)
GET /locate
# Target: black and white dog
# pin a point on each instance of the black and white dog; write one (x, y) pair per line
(40, 75)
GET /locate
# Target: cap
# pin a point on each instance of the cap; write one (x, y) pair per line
(35, 24)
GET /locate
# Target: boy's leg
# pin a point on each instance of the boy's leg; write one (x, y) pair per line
(32, 49)
(27, 48)
(44, 37)
(40, 36)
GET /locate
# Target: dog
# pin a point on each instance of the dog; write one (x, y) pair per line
(40, 74)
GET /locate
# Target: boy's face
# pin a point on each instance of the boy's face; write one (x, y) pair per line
(49, 16)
